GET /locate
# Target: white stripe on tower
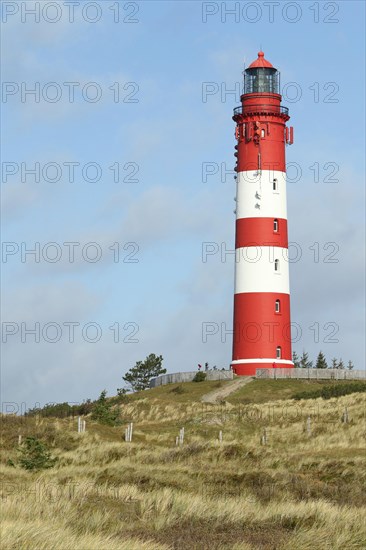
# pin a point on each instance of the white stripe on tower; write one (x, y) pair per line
(256, 197)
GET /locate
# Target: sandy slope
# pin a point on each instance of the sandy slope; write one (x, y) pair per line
(221, 393)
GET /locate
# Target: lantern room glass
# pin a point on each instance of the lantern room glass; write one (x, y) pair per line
(260, 79)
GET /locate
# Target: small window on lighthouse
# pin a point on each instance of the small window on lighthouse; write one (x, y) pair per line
(277, 265)
(275, 184)
(278, 352)
(277, 306)
(275, 226)
(262, 133)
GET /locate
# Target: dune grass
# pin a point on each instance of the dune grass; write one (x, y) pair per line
(261, 391)
(303, 491)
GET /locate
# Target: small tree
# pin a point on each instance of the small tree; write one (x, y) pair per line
(321, 362)
(34, 455)
(122, 395)
(350, 365)
(304, 361)
(334, 363)
(140, 375)
(104, 412)
(340, 364)
(296, 360)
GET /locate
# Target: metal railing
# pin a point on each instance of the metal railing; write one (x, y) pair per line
(261, 108)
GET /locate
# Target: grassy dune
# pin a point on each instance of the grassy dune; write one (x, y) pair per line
(298, 492)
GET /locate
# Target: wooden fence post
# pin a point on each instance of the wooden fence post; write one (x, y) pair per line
(308, 426)
(128, 432)
(264, 438)
(345, 416)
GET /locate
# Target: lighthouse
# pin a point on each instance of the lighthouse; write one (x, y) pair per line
(261, 328)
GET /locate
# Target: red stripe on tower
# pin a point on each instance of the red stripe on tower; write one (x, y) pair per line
(262, 328)
(272, 232)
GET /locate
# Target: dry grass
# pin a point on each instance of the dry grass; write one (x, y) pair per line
(298, 492)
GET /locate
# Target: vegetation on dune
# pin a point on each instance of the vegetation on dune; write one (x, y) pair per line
(321, 362)
(301, 490)
(333, 390)
(34, 455)
(104, 411)
(304, 362)
(140, 375)
(62, 410)
(199, 377)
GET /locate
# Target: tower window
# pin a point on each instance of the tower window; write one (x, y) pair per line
(277, 265)
(277, 306)
(275, 184)
(262, 133)
(278, 352)
(275, 226)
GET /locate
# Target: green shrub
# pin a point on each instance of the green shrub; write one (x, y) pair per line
(62, 410)
(178, 389)
(334, 390)
(104, 412)
(122, 396)
(199, 377)
(34, 455)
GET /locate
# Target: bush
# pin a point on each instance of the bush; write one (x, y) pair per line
(178, 389)
(122, 396)
(104, 412)
(335, 390)
(199, 377)
(62, 410)
(34, 455)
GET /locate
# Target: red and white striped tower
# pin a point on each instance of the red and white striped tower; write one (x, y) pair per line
(262, 330)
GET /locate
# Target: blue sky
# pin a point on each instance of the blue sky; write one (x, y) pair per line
(163, 61)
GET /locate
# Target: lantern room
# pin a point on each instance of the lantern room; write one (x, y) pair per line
(261, 77)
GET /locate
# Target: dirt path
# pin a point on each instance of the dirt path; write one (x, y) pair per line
(221, 393)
